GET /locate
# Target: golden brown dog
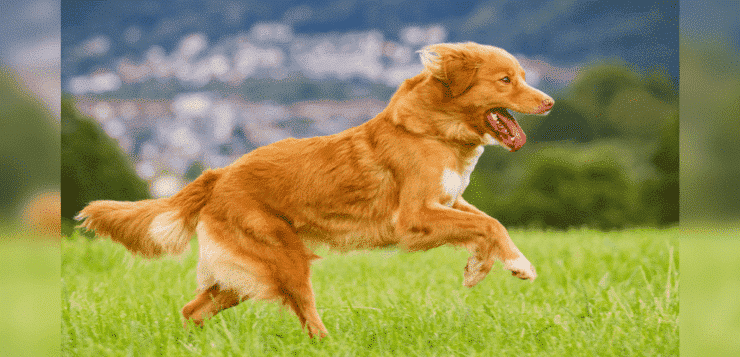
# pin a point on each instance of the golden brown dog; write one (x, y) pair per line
(396, 179)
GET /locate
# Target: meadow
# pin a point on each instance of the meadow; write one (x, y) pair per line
(597, 294)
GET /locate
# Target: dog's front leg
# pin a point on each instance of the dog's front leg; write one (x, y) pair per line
(434, 225)
(519, 266)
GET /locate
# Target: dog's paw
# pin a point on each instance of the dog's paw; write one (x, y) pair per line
(521, 268)
(475, 271)
(317, 330)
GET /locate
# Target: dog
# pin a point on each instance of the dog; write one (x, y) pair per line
(396, 180)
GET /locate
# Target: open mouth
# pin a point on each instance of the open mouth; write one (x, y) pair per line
(505, 129)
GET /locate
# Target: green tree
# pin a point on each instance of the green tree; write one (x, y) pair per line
(611, 157)
(93, 166)
(661, 196)
(610, 101)
(194, 170)
(29, 145)
(710, 130)
(562, 186)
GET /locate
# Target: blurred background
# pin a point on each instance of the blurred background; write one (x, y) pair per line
(155, 93)
(710, 178)
(30, 206)
(30, 112)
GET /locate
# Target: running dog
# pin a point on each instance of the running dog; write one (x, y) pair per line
(397, 180)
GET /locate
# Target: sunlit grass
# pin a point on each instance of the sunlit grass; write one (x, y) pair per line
(29, 293)
(710, 311)
(597, 294)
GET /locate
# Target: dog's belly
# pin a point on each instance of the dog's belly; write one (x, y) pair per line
(349, 235)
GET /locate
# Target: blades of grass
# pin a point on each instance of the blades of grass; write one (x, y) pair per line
(668, 277)
(348, 302)
(615, 297)
(488, 312)
(647, 283)
(227, 332)
(97, 279)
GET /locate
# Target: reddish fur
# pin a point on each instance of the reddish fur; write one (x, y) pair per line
(128, 222)
(369, 186)
(209, 303)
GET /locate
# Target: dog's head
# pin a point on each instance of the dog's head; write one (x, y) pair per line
(483, 83)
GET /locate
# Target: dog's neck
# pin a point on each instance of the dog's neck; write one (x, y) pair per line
(415, 108)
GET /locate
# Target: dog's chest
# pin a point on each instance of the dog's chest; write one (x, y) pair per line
(455, 180)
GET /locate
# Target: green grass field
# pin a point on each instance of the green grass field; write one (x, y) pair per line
(710, 311)
(29, 294)
(597, 294)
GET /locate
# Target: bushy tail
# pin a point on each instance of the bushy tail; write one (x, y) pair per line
(152, 227)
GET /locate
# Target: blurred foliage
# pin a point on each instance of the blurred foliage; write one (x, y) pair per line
(563, 186)
(661, 196)
(606, 157)
(194, 170)
(93, 165)
(610, 101)
(29, 145)
(710, 130)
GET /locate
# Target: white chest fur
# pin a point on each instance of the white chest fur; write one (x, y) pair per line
(455, 182)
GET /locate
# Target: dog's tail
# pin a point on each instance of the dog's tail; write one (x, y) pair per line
(152, 227)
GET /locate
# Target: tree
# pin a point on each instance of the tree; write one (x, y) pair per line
(29, 145)
(663, 194)
(93, 166)
(610, 101)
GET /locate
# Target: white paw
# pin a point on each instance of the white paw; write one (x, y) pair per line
(521, 268)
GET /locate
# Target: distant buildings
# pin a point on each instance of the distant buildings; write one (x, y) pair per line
(165, 138)
(204, 115)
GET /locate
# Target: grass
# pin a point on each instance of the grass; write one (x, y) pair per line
(29, 294)
(710, 312)
(597, 294)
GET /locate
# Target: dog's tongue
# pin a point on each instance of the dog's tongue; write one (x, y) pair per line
(508, 131)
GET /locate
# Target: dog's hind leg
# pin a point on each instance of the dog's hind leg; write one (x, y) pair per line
(298, 294)
(257, 255)
(208, 303)
(289, 265)
(224, 278)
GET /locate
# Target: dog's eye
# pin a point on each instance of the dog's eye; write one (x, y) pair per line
(506, 79)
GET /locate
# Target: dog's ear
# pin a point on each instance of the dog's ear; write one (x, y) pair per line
(455, 65)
